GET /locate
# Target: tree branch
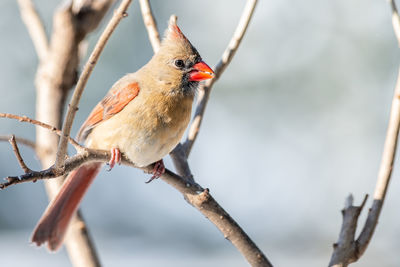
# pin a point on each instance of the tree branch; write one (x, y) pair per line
(56, 74)
(41, 124)
(205, 89)
(87, 70)
(194, 193)
(35, 27)
(197, 196)
(395, 20)
(150, 24)
(346, 252)
(18, 155)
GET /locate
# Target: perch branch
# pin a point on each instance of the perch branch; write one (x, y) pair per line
(87, 70)
(41, 124)
(201, 198)
(35, 27)
(205, 89)
(358, 247)
(150, 24)
(194, 193)
(15, 148)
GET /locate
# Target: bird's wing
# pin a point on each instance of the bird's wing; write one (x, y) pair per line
(112, 103)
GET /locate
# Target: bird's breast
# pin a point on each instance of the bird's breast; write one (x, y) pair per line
(147, 129)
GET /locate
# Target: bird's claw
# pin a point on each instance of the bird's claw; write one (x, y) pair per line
(158, 170)
(115, 158)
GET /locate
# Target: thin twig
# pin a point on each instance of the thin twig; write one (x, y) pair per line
(87, 70)
(343, 255)
(20, 140)
(150, 24)
(35, 27)
(41, 124)
(18, 154)
(395, 20)
(205, 90)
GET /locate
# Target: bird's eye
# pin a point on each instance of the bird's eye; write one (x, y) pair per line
(179, 63)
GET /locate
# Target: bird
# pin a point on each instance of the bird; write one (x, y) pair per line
(143, 116)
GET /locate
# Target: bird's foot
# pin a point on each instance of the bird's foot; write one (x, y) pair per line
(115, 158)
(158, 170)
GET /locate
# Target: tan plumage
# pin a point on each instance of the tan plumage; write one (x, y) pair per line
(144, 116)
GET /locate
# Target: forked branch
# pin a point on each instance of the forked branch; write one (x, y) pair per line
(345, 251)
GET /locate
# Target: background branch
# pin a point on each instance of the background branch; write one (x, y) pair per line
(395, 20)
(57, 73)
(150, 24)
(87, 70)
(205, 89)
(346, 252)
(35, 27)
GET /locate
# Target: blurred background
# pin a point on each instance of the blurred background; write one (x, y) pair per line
(294, 125)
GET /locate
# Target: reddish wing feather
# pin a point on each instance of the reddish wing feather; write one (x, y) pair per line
(112, 103)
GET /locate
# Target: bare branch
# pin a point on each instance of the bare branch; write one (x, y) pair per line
(87, 70)
(23, 141)
(385, 171)
(52, 172)
(150, 24)
(346, 247)
(18, 155)
(41, 124)
(395, 20)
(54, 78)
(196, 195)
(35, 27)
(205, 90)
(358, 247)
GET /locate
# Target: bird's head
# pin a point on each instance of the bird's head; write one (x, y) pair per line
(182, 63)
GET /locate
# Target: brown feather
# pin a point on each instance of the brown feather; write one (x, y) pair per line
(112, 103)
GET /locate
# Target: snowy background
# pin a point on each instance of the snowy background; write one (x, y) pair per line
(295, 124)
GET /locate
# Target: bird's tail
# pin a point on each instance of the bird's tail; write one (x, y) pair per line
(53, 224)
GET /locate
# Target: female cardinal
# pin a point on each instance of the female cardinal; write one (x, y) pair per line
(144, 116)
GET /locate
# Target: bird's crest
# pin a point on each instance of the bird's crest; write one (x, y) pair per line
(173, 32)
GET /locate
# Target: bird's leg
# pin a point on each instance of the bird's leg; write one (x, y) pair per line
(115, 158)
(158, 170)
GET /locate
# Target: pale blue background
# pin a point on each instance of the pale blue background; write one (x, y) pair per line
(295, 124)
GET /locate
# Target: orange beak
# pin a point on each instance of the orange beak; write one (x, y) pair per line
(201, 71)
